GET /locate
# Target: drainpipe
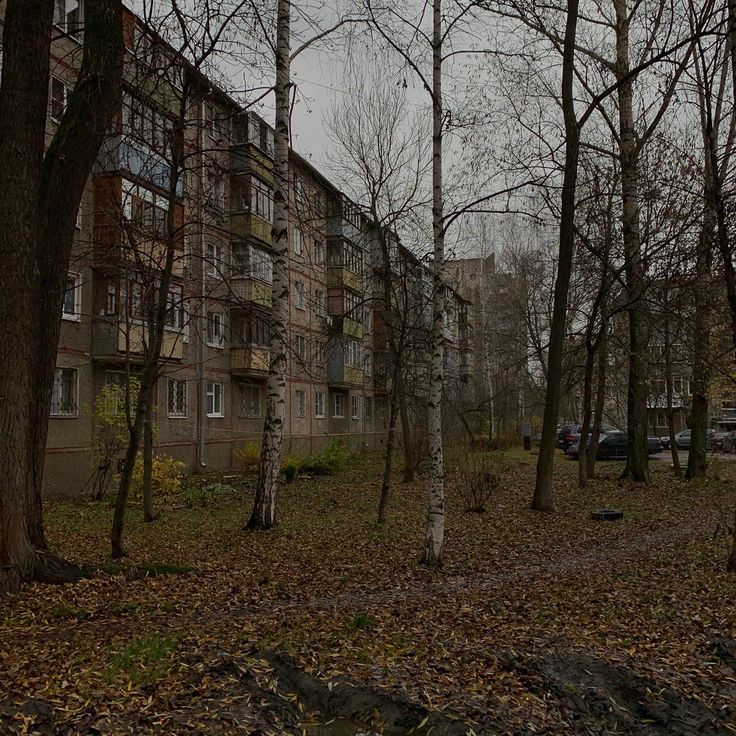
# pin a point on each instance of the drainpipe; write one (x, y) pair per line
(201, 317)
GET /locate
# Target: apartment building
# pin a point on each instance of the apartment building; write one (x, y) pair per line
(210, 396)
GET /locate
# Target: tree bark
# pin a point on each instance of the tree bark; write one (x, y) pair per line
(542, 500)
(637, 463)
(600, 401)
(263, 515)
(669, 388)
(406, 432)
(390, 441)
(41, 196)
(435, 534)
(148, 512)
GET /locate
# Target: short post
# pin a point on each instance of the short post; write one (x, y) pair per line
(526, 433)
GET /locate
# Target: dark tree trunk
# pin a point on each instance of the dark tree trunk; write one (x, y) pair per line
(600, 401)
(390, 441)
(542, 500)
(697, 463)
(406, 433)
(148, 512)
(38, 209)
(669, 388)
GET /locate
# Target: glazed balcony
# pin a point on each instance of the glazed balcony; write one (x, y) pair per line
(247, 291)
(114, 340)
(340, 276)
(244, 225)
(245, 158)
(250, 361)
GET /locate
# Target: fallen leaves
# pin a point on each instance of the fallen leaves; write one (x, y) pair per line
(172, 650)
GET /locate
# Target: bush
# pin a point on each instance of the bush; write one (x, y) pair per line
(166, 475)
(327, 462)
(477, 476)
(206, 495)
(249, 457)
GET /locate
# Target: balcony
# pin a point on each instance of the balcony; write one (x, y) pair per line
(250, 361)
(118, 153)
(339, 276)
(245, 158)
(113, 340)
(244, 225)
(249, 291)
(342, 376)
(340, 227)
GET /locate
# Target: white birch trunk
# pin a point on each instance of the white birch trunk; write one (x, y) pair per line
(264, 506)
(436, 492)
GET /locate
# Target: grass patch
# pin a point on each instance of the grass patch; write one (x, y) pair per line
(362, 621)
(145, 660)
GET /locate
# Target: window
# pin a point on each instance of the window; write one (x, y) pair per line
(254, 331)
(300, 191)
(319, 252)
(145, 124)
(71, 308)
(319, 354)
(253, 262)
(58, 99)
(177, 399)
(214, 260)
(319, 404)
(214, 121)
(368, 407)
(175, 308)
(145, 209)
(352, 258)
(299, 300)
(250, 400)
(259, 134)
(216, 191)
(354, 407)
(261, 199)
(111, 304)
(300, 347)
(300, 403)
(338, 405)
(214, 399)
(215, 330)
(68, 16)
(319, 303)
(297, 239)
(64, 395)
(353, 305)
(352, 354)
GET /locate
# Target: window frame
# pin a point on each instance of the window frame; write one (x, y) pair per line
(243, 388)
(319, 405)
(300, 296)
(354, 407)
(174, 412)
(55, 396)
(335, 397)
(76, 316)
(65, 101)
(211, 392)
(214, 318)
(300, 403)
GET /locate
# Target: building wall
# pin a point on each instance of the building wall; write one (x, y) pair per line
(205, 219)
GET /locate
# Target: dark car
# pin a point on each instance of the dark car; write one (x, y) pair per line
(605, 429)
(615, 445)
(569, 434)
(729, 441)
(713, 441)
(566, 435)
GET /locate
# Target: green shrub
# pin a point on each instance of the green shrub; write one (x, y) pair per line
(249, 457)
(326, 462)
(166, 475)
(208, 494)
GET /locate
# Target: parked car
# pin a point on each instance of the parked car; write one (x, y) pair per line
(729, 441)
(615, 445)
(713, 441)
(570, 433)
